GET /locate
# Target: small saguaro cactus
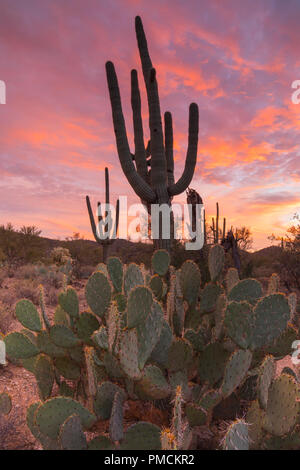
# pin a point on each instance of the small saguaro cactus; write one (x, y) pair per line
(103, 226)
(215, 227)
(154, 185)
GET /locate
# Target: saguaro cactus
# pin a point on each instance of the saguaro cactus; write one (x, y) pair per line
(154, 185)
(104, 242)
(215, 227)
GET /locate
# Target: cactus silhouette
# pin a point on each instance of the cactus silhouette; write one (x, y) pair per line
(103, 226)
(154, 185)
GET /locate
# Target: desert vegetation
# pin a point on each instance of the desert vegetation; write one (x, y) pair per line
(195, 358)
(120, 345)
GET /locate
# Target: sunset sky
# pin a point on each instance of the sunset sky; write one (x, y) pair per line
(235, 59)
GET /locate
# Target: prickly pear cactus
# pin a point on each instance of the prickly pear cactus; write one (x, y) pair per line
(160, 336)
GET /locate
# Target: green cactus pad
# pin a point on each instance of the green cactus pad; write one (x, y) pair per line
(255, 418)
(61, 317)
(190, 281)
(115, 270)
(142, 436)
(30, 418)
(212, 362)
(272, 314)
(104, 398)
(239, 323)
(46, 345)
(149, 332)
(161, 350)
(100, 338)
(44, 374)
(129, 353)
(195, 414)
(219, 315)
(289, 442)
(5, 403)
(152, 385)
(266, 375)
(102, 268)
(112, 366)
(101, 443)
(68, 368)
(29, 335)
(237, 436)
(116, 431)
(68, 301)
(71, 434)
(282, 345)
(198, 339)
(98, 293)
(160, 262)
(54, 412)
(29, 363)
(235, 371)
(216, 259)
(209, 297)
(19, 346)
(77, 354)
(180, 355)
(63, 336)
(249, 290)
(157, 286)
(85, 325)
(282, 406)
(28, 316)
(47, 443)
(231, 278)
(139, 305)
(133, 277)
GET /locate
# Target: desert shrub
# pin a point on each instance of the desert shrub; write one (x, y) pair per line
(26, 271)
(84, 272)
(28, 289)
(289, 257)
(60, 255)
(25, 245)
(50, 276)
(84, 252)
(51, 296)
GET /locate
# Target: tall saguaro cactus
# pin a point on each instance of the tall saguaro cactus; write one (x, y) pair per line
(104, 242)
(152, 179)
